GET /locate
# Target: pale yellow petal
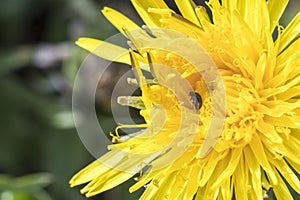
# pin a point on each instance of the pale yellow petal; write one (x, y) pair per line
(105, 50)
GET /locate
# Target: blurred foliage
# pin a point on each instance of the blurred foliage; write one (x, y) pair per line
(29, 187)
(38, 64)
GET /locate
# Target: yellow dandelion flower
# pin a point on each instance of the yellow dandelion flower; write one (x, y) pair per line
(183, 153)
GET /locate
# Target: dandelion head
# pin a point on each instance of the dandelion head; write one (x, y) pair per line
(221, 108)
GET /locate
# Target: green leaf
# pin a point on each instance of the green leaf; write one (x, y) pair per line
(33, 181)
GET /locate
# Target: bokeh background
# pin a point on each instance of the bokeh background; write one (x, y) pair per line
(39, 146)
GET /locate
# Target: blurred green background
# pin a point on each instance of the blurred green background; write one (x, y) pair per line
(39, 147)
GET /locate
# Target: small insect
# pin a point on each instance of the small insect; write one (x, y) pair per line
(196, 99)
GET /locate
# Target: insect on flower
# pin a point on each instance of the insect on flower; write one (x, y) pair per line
(197, 100)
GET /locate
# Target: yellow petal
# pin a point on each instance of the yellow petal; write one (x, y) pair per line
(240, 178)
(146, 178)
(289, 34)
(290, 55)
(95, 168)
(177, 23)
(192, 185)
(295, 165)
(269, 131)
(88, 173)
(231, 167)
(290, 93)
(177, 188)
(281, 150)
(280, 189)
(151, 190)
(202, 15)
(259, 71)
(230, 4)
(265, 182)
(255, 171)
(287, 173)
(119, 20)
(187, 9)
(273, 91)
(206, 192)
(292, 143)
(226, 190)
(97, 186)
(276, 9)
(259, 152)
(142, 8)
(284, 121)
(259, 19)
(105, 50)
(210, 166)
(164, 183)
